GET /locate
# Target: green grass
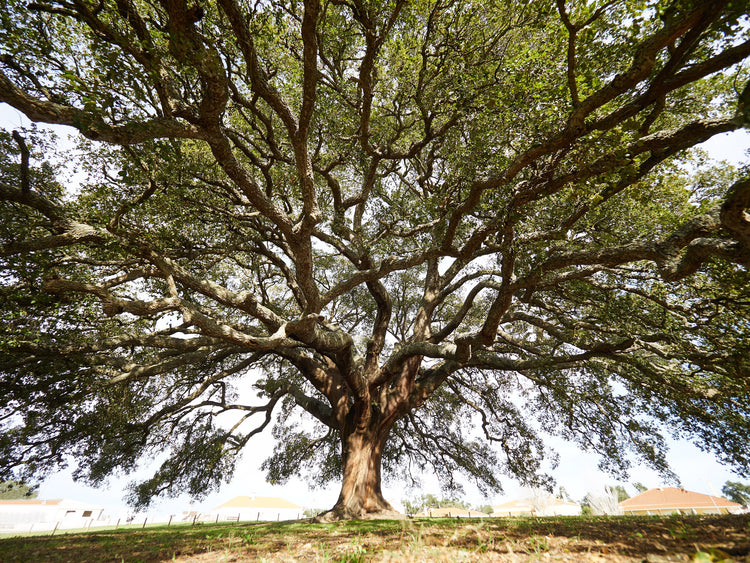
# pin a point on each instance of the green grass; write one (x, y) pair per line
(426, 539)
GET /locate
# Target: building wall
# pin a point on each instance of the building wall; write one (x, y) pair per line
(38, 516)
(686, 510)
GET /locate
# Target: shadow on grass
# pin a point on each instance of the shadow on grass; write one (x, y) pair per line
(361, 540)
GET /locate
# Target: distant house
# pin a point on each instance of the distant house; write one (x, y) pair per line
(257, 508)
(28, 514)
(525, 507)
(670, 500)
(518, 507)
(451, 512)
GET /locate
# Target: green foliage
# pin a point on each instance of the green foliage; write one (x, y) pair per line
(622, 494)
(437, 232)
(429, 500)
(562, 494)
(640, 487)
(484, 508)
(368, 539)
(737, 492)
(17, 490)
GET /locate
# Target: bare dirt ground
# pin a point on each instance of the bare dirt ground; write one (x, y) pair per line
(587, 539)
(621, 540)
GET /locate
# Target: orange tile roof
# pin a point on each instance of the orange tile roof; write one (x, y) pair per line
(258, 502)
(672, 498)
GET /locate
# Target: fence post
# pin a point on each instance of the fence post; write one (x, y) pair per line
(144, 523)
(217, 519)
(118, 524)
(257, 519)
(170, 520)
(195, 518)
(55, 528)
(238, 517)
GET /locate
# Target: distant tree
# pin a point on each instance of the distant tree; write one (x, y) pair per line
(605, 502)
(369, 227)
(737, 492)
(640, 487)
(621, 493)
(417, 504)
(311, 512)
(484, 508)
(562, 494)
(411, 506)
(17, 490)
(540, 499)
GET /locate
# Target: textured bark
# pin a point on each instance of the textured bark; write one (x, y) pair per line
(361, 495)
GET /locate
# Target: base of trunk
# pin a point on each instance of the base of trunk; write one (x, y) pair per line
(337, 514)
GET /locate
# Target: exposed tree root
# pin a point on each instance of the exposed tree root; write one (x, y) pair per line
(338, 514)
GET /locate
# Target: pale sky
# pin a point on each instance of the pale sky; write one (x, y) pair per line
(577, 470)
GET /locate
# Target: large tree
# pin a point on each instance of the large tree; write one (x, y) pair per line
(406, 235)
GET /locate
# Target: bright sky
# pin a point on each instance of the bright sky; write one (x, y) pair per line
(577, 470)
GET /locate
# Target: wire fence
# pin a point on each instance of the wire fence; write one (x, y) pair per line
(76, 525)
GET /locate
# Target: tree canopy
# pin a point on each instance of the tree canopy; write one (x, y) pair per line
(16, 490)
(425, 501)
(737, 492)
(411, 235)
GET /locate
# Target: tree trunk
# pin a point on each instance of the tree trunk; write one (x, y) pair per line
(361, 496)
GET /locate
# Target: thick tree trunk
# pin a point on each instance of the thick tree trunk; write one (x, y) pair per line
(361, 496)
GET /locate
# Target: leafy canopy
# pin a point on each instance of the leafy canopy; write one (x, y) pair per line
(453, 227)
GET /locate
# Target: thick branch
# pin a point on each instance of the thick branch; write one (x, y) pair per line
(92, 125)
(678, 256)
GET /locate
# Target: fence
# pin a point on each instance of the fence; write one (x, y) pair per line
(86, 524)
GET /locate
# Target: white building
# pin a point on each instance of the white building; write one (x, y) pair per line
(31, 514)
(257, 508)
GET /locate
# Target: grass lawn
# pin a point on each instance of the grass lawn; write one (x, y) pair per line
(620, 539)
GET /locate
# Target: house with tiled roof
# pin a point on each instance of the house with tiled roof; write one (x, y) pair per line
(258, 509)
(671, 500)
(516, 507)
